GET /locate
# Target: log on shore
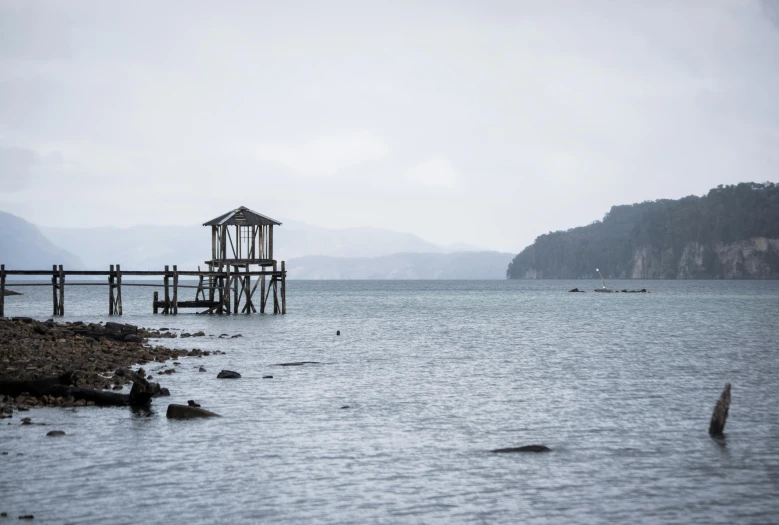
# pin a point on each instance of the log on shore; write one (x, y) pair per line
(62, 386)
(720, 414)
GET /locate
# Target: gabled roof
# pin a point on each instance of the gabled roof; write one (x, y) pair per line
(242, 216)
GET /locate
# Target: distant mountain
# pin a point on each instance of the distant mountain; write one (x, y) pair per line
(152, 247)
(460, 265)
(24, 247)
(730, 233)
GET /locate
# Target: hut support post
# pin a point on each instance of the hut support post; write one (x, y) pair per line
(175, 289)
(154, 303)
(236, 278)
(111, 290)
(166, 308)
(62, 290)
(276, 307)
(55, 301)
(118, 308)
(283, 288)
(2, 290)
(262, 294)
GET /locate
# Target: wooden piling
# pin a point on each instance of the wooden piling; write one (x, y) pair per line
(154, 303)
(175, 289)
(166, 309)
(283, 288)
(227, 290)
(2, 290)
(111, 290)
(118, 290)
(720, 414)
(62, 291)
(262, 294)
(55, 301)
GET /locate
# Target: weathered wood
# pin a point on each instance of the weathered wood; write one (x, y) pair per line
(175, 289)
(720, 414)
(227, 290)
(166, 310)
(118, 290)
(62, 290)
(270, 244)
(283, 288)
(236, 279)
(111, 290)
(2, 290)
(155, 302)
(262, 295)
(56, 304)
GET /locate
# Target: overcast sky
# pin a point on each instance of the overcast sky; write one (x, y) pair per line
(487, 123)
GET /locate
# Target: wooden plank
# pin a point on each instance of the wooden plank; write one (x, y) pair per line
(270, 244)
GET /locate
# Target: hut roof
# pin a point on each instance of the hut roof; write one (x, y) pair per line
(242, 216)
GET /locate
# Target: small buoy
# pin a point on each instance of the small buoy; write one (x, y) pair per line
(337, 332)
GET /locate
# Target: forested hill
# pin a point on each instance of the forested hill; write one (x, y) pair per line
(730, 233)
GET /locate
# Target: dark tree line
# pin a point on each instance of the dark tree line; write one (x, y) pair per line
(662, 228)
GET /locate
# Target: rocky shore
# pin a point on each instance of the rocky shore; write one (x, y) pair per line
(100, 355)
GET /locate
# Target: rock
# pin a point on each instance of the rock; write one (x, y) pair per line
(54, 433)
(345, 406)
(132, 338)
(26, 421)
(300, 363)
(186, 334)
(720, 414)
(267, 377)
(198, 334)
(574, 290)
(192, 403)
(526, 448)
(337, 332)
(223, 335)
(228, 374)
(236, 335)
(27, 517)
(202, 369)
(188, 412)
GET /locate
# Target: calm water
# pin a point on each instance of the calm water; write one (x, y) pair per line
(435, 375)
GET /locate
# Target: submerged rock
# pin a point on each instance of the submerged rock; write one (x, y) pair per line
(188, 412)
(300, 363)
(526, 448)
(54, 433)
(228, 374)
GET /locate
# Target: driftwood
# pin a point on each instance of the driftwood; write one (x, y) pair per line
(720, 414)
(62, 386)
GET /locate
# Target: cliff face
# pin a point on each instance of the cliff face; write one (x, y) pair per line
(730, 233)
(756, 258)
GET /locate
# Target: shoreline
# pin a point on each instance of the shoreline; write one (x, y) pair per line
(101, 354)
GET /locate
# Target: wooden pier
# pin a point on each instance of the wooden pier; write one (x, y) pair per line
(216, 284)
(225, 288)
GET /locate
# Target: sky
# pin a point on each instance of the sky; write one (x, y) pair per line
(485, 123)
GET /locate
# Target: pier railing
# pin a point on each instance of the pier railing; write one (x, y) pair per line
(213, 291)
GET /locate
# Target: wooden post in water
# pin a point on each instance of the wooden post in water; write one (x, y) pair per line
(275, 281)
(175, 289)
(166, 309)
(236, 278)
(720, 414)
(262, 293)
(118, 290)
(2, 290)
(55, 301)
(154, 304)
(283, 288)
(227, 290)
(111, 291)
(62, 291)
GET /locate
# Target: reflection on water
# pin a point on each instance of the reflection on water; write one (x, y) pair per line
(435, 374)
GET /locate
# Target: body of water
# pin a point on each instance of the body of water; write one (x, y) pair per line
(435, 374)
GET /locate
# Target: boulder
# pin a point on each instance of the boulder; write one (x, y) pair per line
(228, 374)
(526, 448)
(188, 412)
(53, 433)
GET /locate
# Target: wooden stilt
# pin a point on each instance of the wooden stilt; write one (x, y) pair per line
(2, 290)
(166, 309)
(236, 278)
(154, 303)
(56, 304)
(111, 290)
(227, 290)
(62, 291)
(283, 288)
(118, 308)
(175, 289)
(720, 414)
(262, 294)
